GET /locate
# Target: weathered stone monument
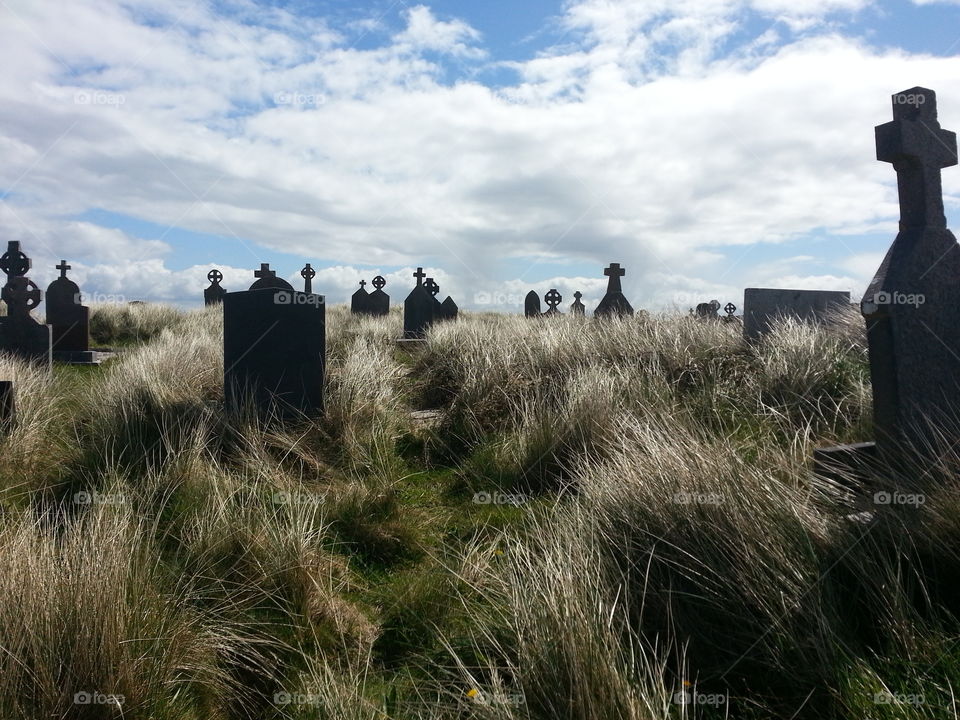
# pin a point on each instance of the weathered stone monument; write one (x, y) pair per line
(379, 302)
(68, 319)
(359, 301)
(418, 309)
(763, 306)
(433, 288)
(577, 307)
(308, 274)
(274, 348)
(531, 304)
(552, 299)
(708, 310)
(449, 309)
(912, 305)
(213, 295)
(730, 309)
(614, 302)
(20, 334)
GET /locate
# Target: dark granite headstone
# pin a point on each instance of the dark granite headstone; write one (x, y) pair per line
(267, 278)
(308, 274)
(577, 307)
(552, 299)
(418, 309)
(213, 295)
(359, 301)
(431, 285)
(20, 334)
(68, 319)
(708, 310)
(449, 309)
(379, 302)
(730, 309)
(531, 305)
(614, 302)
(912, 305)
(274, 347)
(8, 406)
(763, 306)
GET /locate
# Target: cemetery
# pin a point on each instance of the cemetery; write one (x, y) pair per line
(295, 504)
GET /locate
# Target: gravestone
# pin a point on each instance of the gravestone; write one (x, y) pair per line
(308, 274)
(20, 334)
(267, 279)
(763, 306)
(69, 321)
(552, 299)
(418, 310)
(359, 301)
(8, 406)
(213, 295)
(531, 305)
(577, 307)
(730, 309)
(379, 302)
(449, 309)
(274, 351)
(708, 310)
(912, 305)
(431, 285)
(614, 302)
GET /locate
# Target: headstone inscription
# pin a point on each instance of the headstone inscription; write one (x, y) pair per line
(912, 305)
(577, 307)
(20, 334)
(763, 306)
(213, 295)
(274, 348)
(379, 302)
(68, 319)
(614, 302)
(359, 301)
(531, 304)
(308, 274)
(418, 309)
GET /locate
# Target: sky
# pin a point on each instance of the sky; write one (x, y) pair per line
(705, 145)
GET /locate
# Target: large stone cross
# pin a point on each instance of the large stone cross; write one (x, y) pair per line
(63, 267)
(264, 272)
(918, 148)
(614, 272)
(419, 275)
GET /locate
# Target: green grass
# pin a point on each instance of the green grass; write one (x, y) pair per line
(603, 514)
